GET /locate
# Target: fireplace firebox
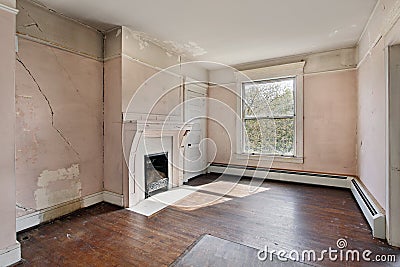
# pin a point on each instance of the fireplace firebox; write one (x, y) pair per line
(156, 173)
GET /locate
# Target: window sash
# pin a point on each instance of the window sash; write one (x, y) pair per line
(255, 152)
(269, 117)
(266, 81)
(275, 117)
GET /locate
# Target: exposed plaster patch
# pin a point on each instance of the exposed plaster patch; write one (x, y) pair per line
(143, 43)
(190, 48)
(58, 186)
(119, 31)
(49, 105)
(25, 96)
(47, 177)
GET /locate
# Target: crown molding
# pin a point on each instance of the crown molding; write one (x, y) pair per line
(9, 9)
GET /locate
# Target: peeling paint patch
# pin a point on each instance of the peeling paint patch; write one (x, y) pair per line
(190, 48)
(143, 43)
(55, 187)
(24, 96)
(119, 31)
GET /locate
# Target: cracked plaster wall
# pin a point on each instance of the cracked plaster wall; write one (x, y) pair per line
(43, 25)
(59, 111)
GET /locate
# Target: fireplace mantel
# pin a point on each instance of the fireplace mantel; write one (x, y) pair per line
(135, 134)
(157, 126)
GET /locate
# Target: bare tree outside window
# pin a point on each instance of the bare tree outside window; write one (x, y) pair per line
(269, 117)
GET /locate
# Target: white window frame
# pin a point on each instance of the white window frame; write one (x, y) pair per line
(292, 70)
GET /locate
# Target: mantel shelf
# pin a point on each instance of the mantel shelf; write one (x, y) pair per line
(158, 125)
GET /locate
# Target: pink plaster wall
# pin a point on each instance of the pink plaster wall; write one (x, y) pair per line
(372, 98)
(134, 74)
(113, 160)
(146, 90)
(71, 86)
(7, 130)
(122, 78)
(330, 119)
(371, 124)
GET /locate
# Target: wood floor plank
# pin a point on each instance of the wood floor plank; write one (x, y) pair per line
(280, 215)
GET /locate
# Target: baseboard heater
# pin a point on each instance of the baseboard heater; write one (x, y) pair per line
(372, 212)
(282, 175)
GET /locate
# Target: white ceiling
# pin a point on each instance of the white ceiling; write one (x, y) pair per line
(231, 31)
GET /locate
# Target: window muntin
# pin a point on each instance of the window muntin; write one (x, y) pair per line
(269, 117)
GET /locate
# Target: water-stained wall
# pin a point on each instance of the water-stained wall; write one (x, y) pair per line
(59, 109)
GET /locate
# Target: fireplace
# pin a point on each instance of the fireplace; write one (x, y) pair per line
(145, 139)
(156, 173)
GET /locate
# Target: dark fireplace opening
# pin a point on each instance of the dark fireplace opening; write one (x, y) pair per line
(156, 173)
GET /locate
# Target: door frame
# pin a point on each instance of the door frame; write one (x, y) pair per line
(200, 89)
(392, 63)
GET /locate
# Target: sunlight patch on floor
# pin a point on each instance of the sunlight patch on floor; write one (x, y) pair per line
(154, 204)
(217, 192)
(195, 197)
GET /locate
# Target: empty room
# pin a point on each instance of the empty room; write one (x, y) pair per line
(200, 133)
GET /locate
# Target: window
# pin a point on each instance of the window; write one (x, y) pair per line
(271, 108)
(269, 116)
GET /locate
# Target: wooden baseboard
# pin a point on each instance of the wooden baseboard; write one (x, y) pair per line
(113, 198)
(92, 199)
(33, 219)
(10, 255)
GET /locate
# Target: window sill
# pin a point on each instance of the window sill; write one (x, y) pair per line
(244, 156)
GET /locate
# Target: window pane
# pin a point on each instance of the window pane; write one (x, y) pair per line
(272, 98)
(270, 136)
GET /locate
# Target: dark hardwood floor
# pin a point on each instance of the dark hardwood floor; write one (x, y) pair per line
(280, 215)
(213, 251)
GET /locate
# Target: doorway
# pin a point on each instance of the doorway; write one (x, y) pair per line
(393, 145)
